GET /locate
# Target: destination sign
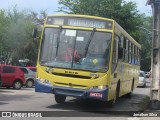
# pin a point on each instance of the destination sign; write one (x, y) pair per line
(87, 23)
(79, 22)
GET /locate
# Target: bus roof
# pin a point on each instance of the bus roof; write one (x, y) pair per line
(125, 34)
(78, 15)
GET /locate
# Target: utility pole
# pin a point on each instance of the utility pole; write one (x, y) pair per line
(155, 57)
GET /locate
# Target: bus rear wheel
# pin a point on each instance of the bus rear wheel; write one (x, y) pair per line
(60, 98)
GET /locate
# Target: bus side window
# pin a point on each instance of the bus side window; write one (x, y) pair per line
(136, 56)
(121, 48)
(126, 51)
(129, 52)
(115, 50)
(139, 52)
(115, 53)
(133, 57)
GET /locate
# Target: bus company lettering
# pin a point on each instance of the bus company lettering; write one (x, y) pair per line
(71, 72)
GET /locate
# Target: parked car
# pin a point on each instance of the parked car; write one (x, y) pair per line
(30, 75)
(142, 79)
(148, 74)
(11, 76)
(34, 69)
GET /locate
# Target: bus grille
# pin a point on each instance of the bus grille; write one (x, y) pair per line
(73, 76)
(72, 85)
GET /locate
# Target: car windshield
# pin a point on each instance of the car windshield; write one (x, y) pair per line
(141, 74)
(75, 49)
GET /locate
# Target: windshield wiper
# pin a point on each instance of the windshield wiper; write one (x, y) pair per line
(87, 46)
(58, 40)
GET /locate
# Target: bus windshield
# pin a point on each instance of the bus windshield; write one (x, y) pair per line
(75, 49)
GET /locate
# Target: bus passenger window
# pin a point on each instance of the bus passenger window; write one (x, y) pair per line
(129, 51)
(115, 54)
(126, 51)
(115, 50)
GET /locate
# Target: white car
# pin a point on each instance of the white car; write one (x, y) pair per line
(142, 79)
(30, 75)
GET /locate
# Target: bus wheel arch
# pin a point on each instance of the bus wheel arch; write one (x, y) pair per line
(129, 95)
(117, 91)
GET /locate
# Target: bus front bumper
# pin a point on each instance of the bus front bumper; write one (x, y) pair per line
(88, 94)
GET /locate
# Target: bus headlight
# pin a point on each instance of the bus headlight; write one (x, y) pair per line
(44, 81)
(98, 87)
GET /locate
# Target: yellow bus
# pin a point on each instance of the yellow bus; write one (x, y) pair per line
(86, 57)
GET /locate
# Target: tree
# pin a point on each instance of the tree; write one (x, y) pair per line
(126, 14)
(146, 42)
(3, 28)
(16, 34)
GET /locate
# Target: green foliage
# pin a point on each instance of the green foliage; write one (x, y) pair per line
(146, 42)
(126, 14)
(16, 34)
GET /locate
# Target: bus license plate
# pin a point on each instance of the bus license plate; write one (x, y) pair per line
(96, 95)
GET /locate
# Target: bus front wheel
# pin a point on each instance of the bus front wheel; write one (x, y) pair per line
(60, 98)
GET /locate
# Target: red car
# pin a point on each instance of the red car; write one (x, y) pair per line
(11, 76)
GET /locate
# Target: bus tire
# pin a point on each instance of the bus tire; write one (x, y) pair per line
(60, 98)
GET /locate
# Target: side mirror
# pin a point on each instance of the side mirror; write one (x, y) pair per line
(120, 53)
(34, 32)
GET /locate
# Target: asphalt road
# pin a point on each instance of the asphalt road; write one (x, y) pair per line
(28, 100)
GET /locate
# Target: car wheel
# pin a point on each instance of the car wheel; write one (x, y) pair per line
(60, 98)
(17, 85)
(144, 85)
(29, 83)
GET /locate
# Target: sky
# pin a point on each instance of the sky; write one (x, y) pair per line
(51, 6)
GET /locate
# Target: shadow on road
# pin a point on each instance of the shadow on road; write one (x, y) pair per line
(80, 104)
(2, 103)
(121, 105)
